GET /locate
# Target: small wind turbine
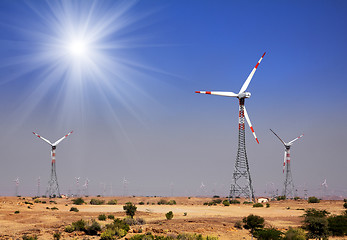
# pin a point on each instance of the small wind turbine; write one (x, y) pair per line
(85, 187)
(38, 186)
(77, 186)
(288, 184)
(53, 186)
(125, 186)
(17, 185)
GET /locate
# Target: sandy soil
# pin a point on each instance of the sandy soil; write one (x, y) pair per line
(219, 220)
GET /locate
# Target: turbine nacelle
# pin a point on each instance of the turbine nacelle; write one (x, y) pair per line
(244, 95)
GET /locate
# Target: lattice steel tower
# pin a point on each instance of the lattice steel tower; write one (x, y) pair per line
(288, 190)
(241, 182)
(53, 186)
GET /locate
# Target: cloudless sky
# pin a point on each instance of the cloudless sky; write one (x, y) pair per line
(131, 101)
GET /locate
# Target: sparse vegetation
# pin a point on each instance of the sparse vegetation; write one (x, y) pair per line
(78, 201)
(267, 205)
(316, 223)
(130, 209)
(117, 229)
(268, 234)
(141, 203)
(238, 224)
(54, 208)
(112, 202)
(279, 198)
(102, 217)
(234, 201)
(131, 221)
(313, 200)
(93, 228)
(169, 215)
(26, 237)
(246, 202)
(295, 234)
(16, 212)
(110, 216)
(182, 236)
(253, 222)
(345, 205)
(226, 203)
(184, 214)
(94, 201)
(337, 225)
(258, 205)
(74, 209)
(57, 236)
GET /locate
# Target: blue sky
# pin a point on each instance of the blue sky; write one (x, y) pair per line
(131, 100)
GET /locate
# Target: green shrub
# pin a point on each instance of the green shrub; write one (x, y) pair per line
(117, 229)
(94, 201)
(171, 202)
(246, 202)
(279, 198)
(43, 202)
(345, 205)
(108, 234)
(37, 201)
(316, 223)
(215, 196)
(78, 201)
(112, 202)
(313, 200)
(130, 209)
(169, 215)
(253, 222)
(54, 208)
(258, 205)
(184, 214)
(102, 217)
(226, 203)
(141, 203)
(338, 225)
(267, 205)
(110, 216)
(162, 202)
(296, 198)
(218, 200)
(26, 237)
(234, 201)
(16, 212)
(93, 228)
(345, 200)
(268, 234)
(238, 224)
(74, 209)
(131, 221)
(57, 236)
(69, 228)
(79, 225)
(295, 234)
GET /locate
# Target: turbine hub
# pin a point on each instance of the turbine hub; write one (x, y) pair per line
(244, 95)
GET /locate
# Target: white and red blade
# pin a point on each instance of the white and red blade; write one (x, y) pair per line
(291, 142)
(61, 139)
(44, 139)
(225, 94)
(250, 124)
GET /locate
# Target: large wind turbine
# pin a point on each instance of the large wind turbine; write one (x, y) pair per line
(242, 183)
(288, 183)
(53, 186)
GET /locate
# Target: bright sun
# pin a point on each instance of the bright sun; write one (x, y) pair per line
(78, 48)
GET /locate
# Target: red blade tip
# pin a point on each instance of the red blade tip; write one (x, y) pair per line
(197, 91)
(263, 55)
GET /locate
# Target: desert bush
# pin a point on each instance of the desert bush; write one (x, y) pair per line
(337, 225)
(246, 202)
(116, 229)
(110, 216)
(169, 215)
(238, 224)
(141, 203)
(279, 198)
(162, 202)
(57, 236)
(268, 234)
(69, 228)
(74, 209)
(54, 208)
(316, 223)
(26, 237)
(79, 225)
(295, 234)
(345, 200)
(131, 221)
(267, 205)
(102, 217)
(130, 209)
(253, 222)
(78, 201)
(345, 205)
(234, 201)
(313, 200)
(226, 203)
(16, 212)
(108, 234)
(52, 201)
(216, 196)
(112, 202)
(296, 198)
(37, 200)
(94, 201)
(218, 200)
(93, 228)
(43, 202)
(184, 214)
(171, 202)
(258, 205)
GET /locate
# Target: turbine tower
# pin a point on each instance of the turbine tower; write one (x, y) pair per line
(38, 187)
(241, 183)
(17, 185)
(288, 183)
(77, 186)
(85, 187)
(53, 186)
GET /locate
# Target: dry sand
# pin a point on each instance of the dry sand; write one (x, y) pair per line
(207, 220)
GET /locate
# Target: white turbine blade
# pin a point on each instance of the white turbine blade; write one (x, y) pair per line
(248, 80)
(44, 139)
(225, 94)
(278, 137)
(284, 160)
(291, 142)
(250, 124)
(57, 142)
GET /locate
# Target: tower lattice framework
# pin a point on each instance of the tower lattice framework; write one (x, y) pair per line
(288, 190)
(53, 186)
(241, 185)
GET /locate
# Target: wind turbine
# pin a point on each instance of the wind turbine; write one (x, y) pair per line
(77, 186)
(53, 186)
(85, 187)
(288, 183)
(17, 185)
(242, 183)
(125, 186)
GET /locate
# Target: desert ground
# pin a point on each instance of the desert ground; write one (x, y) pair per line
(190, 216)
